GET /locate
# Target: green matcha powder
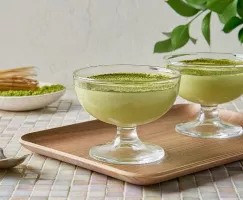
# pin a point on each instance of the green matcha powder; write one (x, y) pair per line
(39, 91)
(130, 82)
(209, 67)
(130, 77)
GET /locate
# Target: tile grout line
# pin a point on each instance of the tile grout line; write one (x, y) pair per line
(236, 191)
(124, 189)
(240, 162)
(216, 188)
(143, 192)
(58, 171)
(237, 109)
(160, 187)
(198, 189)
(106, 186)
(87, 195)
(71, 184)
(181, 195)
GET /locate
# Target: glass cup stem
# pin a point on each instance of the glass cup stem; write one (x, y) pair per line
(208, 125)
(208, 114)
(127, 137)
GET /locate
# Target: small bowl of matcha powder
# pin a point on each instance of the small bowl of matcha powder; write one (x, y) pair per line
(41, 90)
(25, 100)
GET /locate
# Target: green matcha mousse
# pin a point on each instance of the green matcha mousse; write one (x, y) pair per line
(128, 99)
(210, 81)
(41, 90)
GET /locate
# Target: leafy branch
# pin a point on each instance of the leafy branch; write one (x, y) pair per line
(229, 12)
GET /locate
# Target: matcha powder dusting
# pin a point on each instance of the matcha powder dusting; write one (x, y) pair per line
(39, 91)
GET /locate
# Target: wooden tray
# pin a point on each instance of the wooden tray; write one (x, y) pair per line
(184, 155)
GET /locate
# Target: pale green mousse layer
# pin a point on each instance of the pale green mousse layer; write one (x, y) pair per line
(210, 81)
(127, 99)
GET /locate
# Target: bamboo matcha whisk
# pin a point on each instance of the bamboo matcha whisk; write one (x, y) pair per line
(18, 79)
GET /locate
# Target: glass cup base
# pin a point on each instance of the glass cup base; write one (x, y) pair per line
(144, 154)
(216, 129)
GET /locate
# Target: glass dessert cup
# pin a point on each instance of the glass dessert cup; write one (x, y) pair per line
(209, 79)
(126, 96)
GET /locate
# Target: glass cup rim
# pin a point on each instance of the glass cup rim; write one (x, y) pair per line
(179, 63)
(176, 74)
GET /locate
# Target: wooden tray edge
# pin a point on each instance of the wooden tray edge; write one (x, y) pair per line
(130, 177)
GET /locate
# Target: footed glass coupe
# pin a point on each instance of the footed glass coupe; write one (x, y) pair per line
(209, 79)
(126, 96)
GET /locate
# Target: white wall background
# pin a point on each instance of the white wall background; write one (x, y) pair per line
(59, 36)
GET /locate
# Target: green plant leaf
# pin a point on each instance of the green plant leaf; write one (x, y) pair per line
(232, 24)
(168, 34)
(240, 8)
(198, 4)
(182, 8)
(229, 12)
(206, 27)
(240, 35)
(218, 6)
(180, 36)
(163, 46)
(221, 18)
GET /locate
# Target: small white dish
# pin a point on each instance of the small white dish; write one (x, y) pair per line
(25, 103)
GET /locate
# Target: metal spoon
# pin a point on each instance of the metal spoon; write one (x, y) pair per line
(10, 162)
